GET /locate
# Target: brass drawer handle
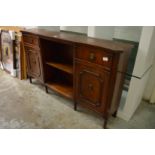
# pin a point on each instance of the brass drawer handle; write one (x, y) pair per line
(92, 56)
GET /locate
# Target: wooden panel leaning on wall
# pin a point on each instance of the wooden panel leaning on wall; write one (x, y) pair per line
(18, 47)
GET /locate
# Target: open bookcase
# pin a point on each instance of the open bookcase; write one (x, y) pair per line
(58, 66)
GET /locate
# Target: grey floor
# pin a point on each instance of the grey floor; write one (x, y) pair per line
(25, 105)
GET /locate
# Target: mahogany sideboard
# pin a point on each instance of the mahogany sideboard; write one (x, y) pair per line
(87, 70)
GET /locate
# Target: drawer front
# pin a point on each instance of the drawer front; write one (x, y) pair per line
(94, 55)
(31, 39)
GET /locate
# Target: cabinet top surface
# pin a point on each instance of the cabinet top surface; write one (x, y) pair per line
(81, 39)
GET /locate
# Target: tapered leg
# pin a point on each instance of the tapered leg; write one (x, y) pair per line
(75, 106)
(30, 79)
(114, 114)
(105, 123)
(46, 88)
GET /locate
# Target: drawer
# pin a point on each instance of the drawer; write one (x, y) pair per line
(94, 55)
(31, 39)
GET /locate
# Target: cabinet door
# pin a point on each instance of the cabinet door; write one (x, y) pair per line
(33, 63)
(92, 86)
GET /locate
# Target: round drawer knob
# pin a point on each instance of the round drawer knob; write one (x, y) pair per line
(92, 56)
(105, 59)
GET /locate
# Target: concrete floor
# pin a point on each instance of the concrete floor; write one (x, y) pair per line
(25, 105)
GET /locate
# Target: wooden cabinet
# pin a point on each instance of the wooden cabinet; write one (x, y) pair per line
(33, 57)
(91, 86)
(33, 63)
(78, 67)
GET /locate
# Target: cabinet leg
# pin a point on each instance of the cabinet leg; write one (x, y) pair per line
(105, 123)
(46, 88)
(114, 114)
(75, 106)
(30, 79)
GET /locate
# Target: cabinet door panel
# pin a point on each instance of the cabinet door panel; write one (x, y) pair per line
(92, 86)
(33, 63)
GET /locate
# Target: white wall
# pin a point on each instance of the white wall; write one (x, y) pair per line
(150, 84)
(103, 32)
(146, 51)
(151, 51)
(132, 33)
(50, 28)
(79, 29)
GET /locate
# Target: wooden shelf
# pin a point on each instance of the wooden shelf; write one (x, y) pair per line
(62, 88)
(61, 66)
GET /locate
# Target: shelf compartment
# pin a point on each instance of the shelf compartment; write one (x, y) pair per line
(62, 88)
(62, 66)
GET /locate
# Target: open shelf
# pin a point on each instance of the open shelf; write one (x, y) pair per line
(62, 88)
(62, 66)
(58, 67)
